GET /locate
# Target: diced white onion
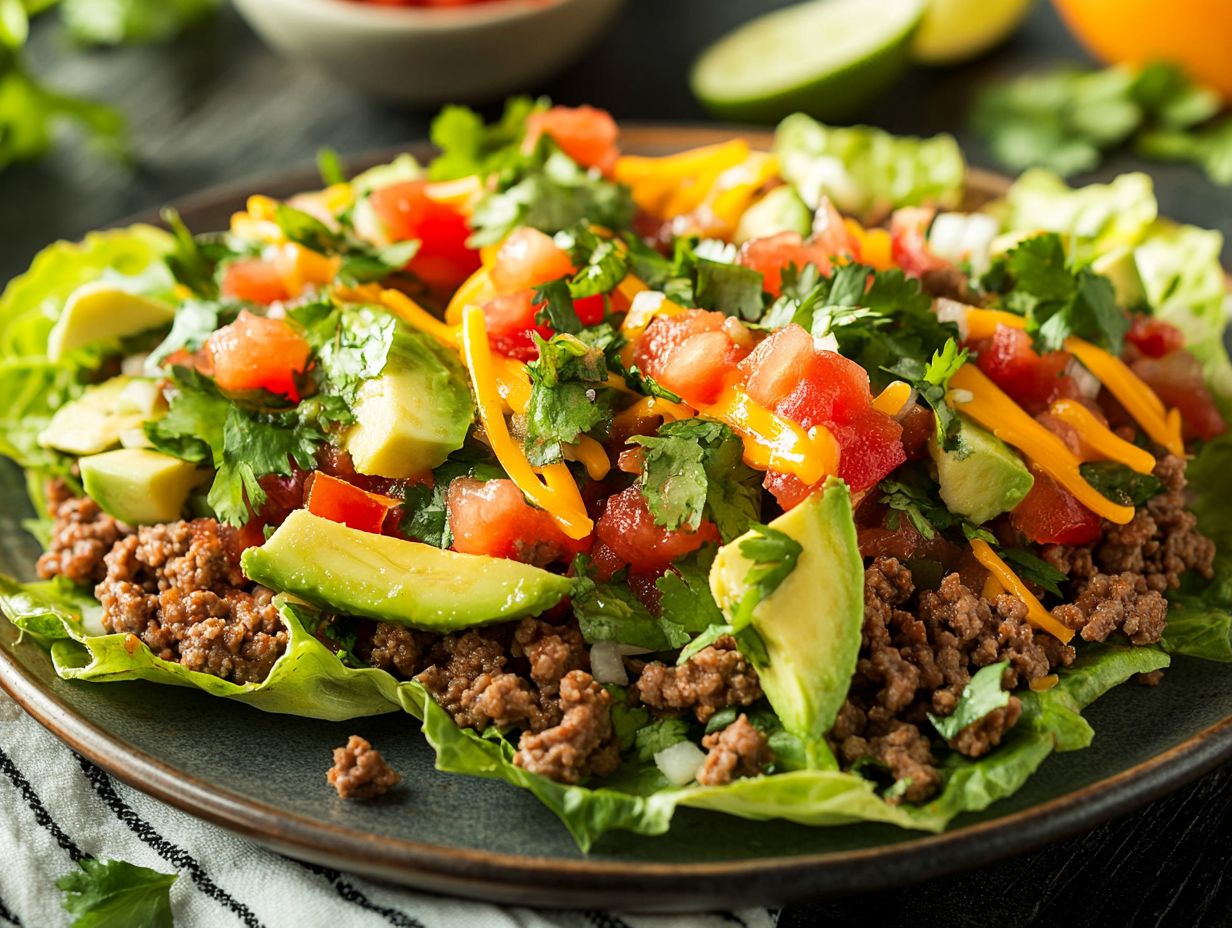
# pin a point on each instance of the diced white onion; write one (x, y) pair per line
(133, 365)
(827, 342)
(961, 396)
(92, 620)
(963, 237)
(606, 664)
(680, 762)
(1088, 384)
(828, 177)
(948, 310)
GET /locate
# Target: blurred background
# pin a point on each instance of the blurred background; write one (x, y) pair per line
(213, 103)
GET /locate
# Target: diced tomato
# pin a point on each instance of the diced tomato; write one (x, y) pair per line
(1154, 337)
(629, 530)
(526, 259)
(256, 353)
(585, 134)
(1032, 380)
(833, 391)
(254, 281)
(606, 561)
(1177, 379)
(778, 364)
(773, 254)
(692, 353)
(872, 447)
(918, 426)
(511, 321)
(909, 241)
(407, 212)
(492, 517)
(1050, 514)
(339, 501)
(590, 309)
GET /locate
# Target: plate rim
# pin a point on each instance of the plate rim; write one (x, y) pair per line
(502, 877)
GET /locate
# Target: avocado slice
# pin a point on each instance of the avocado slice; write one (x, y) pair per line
(409, 419)
(780, 210)
(100, 417)
(101, 312)
(139, 486)
(983, 478)
(359, 573)
(810, 625)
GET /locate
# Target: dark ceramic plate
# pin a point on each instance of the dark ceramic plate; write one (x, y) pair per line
(264, 775)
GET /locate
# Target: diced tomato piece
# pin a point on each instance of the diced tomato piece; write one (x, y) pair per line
(629, 530)
(492, 517)
(872, 447)
(606, 561)
(339, 501)
(1050, 514)
(256, 353)
(511, 321)
(407, 212)
(585, 134)
(1154, 337)
(773, 254)
(526, 259)
(254, 281)
(1032, 380)
(918, 426)
(590, 309)
(692, 353)
(778, 364)
(834, 391)
(909, 241)
(1177, 379)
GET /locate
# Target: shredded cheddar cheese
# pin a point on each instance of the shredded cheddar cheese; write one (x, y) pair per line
(1101, 441)
(774, 442)
(893, 398)
(991, 408)
(416, 316)
(475, 291)
(591, 455)
(678, 183)
(556, 493)
(1139, 400)
(1037, 615)
(651, 407)
(1044, 684)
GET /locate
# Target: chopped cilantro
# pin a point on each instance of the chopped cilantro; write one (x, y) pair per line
(658, 736)
(117, 894)
(774, 555)
(361, 261)
(685, 595)
(329, 166)
(611, 612)
(912, 492)
(194, 258)
(931, 381)
(425, 513)
(568, 397)
(1121, 484)
(195, 321)
(470, 147)
(601, 263)
(980, 696)
(731, 289)
(556, 310)
(1034, 569)
(693, 467)
(627, 720)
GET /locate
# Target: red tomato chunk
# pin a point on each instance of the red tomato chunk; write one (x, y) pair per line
(256, 353)
(492, 517)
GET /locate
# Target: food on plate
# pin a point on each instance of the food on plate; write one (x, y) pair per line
(787, 484)
(360, 772)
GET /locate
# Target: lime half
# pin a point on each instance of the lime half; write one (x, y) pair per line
(956, 30)
(827, 58)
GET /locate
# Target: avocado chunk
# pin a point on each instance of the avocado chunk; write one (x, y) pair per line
(139, 486)
(1121, 268)
(780, 210)
(810, 625)
(410, 417)
(102, 312)
(983, 478)
(358, 573)
(102, 415)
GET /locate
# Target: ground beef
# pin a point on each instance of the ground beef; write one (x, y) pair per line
(360, 772)
(467, 678)
(714, 678)
(985, 733)
(583, 743)
(395, 647)
(177, 587)
(739, 750)
(81, 536)
(1116, 603)
(914, 661)
(1154, 678)
(552, 651)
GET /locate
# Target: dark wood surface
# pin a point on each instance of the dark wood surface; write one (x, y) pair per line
(215, 106)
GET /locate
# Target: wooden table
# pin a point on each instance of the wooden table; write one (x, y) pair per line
(217, 106)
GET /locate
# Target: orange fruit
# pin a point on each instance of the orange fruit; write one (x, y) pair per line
(1194, 34)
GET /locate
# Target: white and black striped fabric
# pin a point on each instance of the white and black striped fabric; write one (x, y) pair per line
(56, 807)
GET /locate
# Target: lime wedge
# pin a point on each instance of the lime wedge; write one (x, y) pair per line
(956, 30)
(827, 58)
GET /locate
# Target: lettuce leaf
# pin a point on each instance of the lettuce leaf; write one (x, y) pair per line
(865, 171)
(308, 679)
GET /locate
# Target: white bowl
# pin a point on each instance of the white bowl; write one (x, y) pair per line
(432, 55)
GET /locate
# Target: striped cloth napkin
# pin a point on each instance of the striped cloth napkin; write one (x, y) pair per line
(57, 807)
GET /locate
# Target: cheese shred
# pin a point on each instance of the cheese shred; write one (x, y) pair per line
(1037, 615)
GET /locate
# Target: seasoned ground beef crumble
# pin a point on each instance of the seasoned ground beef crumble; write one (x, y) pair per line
(738, 750)
(360, 772)
(714, 678)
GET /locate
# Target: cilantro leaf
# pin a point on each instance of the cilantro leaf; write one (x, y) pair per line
(685, 595)
(353, 345)
(194, 322)
(568, 397)
(1121, 484)
(731, 289)
(658, 736)
(695, 466)
(425, 512)
(1034, 569)
(329, 166)
(611, 612)
(469, 147)
(117, 894)
(910, 491)
(601, 263)
(931, 381)
(627, 720)
(980, 696)
(774, 555)
(555, 304)
(194, 258)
